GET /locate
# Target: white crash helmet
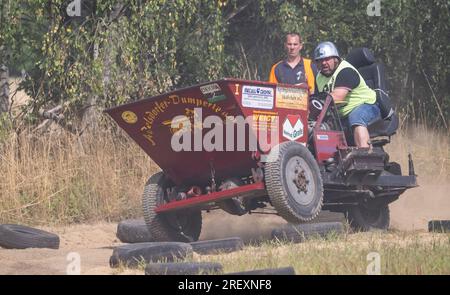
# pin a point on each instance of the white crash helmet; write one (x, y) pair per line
(324, 50)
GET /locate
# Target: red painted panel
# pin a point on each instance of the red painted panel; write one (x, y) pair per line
(148, 123)
(326, 143)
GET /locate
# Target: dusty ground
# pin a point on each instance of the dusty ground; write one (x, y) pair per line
(94, 243)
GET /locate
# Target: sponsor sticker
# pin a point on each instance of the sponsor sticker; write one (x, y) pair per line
(322, 137)
(216, 98)
(257, 97)
(212, 92)
(292, 127)
(262, 120)
(210, 88)
(129, 117)
(291, 98)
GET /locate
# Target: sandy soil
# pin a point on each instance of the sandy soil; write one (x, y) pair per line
(94, 243)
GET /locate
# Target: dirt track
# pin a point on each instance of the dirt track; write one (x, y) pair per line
(94, 243)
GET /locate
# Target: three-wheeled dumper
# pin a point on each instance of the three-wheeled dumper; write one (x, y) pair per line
(241, 145)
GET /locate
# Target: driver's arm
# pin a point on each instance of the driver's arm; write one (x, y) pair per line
(339, 94)
(346, 80)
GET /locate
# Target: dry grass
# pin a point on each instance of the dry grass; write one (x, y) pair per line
(57, 178)
(400, 253)
(430, 150)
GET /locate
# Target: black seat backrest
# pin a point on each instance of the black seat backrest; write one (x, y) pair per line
(374, 75)
(360, 57)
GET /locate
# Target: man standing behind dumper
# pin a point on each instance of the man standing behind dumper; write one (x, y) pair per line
(295, 69)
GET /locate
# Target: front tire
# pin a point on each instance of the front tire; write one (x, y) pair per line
(179, 226)
(294, 182)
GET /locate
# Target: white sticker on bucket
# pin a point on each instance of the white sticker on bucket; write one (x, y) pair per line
(257, 97)
(210, 88)
(322, 137)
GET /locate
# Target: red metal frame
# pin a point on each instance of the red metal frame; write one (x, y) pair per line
(327, 142)
(249, 190)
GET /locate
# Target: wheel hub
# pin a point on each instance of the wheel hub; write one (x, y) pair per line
(300, 181)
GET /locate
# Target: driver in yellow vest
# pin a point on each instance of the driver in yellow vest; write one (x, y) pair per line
(295, 69)
(355, 100)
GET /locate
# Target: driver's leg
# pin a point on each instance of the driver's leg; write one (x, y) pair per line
(359, 119)
(361, 135)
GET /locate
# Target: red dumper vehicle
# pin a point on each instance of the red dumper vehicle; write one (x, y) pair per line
(299, 164)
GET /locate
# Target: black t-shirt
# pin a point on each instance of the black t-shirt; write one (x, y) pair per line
(285, 74)
(347, 78)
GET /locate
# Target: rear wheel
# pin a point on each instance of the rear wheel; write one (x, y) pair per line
(182, 225)
(294, 182)
(362, 218)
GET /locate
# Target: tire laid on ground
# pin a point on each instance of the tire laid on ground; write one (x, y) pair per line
(133, 231)
(268, 271)
(299, 232)
(182, 225)
(218, 246)
(184, 268)
(439, 226)
(14, 236)
(294, 182)
(133, 254)
(364, 219)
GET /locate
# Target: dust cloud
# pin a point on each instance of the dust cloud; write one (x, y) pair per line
(252, 228)
(411, 211)
(419, 205)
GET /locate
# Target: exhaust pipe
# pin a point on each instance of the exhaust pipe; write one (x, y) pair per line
(411, 165)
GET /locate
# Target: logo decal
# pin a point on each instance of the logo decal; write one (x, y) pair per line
(129, 117)
(293, 127)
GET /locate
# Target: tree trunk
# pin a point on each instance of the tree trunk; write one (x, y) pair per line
(4, 89)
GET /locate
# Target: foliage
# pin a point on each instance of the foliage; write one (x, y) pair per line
(125, 50)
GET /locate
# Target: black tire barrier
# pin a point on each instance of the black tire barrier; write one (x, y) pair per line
(133, 254)
(439, 226)
(268, 271)
(133, 231)
(184, 268)
(299, 232)
(14, 236)
(218, 246)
